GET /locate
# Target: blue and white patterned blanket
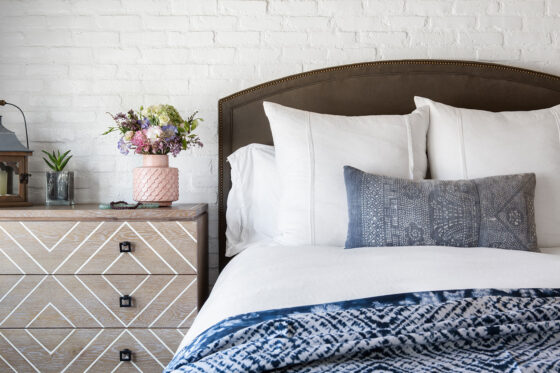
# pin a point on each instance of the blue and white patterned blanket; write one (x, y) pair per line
(482, 330)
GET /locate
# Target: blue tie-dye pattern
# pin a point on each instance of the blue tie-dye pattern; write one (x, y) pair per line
(475, 330)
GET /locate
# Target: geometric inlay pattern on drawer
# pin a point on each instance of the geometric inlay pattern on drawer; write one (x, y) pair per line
(75, 294)
(86, 350)
(93, 247)
(92, 301)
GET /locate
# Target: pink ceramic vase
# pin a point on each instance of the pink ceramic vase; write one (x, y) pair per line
(155, 181)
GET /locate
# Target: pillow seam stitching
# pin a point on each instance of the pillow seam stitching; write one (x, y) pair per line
(311, 181)
(462, 143)
(411, 165)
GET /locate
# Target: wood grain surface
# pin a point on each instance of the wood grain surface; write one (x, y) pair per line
(86, 350)
(86, 247)
(62, 274)
(92, 301)
(93, 212)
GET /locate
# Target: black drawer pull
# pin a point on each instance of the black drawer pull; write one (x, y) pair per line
(125, 247)
(125, 355)
(125, 301)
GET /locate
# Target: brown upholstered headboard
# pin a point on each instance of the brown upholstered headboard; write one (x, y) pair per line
(384, 87)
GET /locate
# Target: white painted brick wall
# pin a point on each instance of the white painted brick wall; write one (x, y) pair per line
(68, 62)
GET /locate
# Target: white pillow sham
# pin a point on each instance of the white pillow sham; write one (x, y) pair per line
(466, 143)
(311, 151)
(253, 198)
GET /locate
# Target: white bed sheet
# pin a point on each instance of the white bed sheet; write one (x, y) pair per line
(269, 277)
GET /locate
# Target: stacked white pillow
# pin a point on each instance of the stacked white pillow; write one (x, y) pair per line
(467, 144)
(294, 192)
(311, 151)
(253, 199)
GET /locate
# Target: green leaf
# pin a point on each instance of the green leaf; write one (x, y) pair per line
(51, 157)
(65, 154)
(65, 162)
(49, 164)
(109, 130)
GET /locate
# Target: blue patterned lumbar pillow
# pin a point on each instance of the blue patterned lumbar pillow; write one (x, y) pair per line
(490, 212)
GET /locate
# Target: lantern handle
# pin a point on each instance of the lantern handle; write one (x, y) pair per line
(3, 103)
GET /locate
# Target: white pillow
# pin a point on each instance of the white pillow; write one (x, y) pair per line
(465, 144)
(253, 198)
(311, 151)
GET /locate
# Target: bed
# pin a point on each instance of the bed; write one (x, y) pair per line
(404, 308)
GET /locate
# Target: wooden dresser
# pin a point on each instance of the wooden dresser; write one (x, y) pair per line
(90, 290)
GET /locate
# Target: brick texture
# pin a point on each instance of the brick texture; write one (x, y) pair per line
(68, 62)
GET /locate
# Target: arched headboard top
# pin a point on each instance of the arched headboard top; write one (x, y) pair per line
(383, 87)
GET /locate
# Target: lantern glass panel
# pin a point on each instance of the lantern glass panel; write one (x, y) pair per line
(9, 178)
(13, 179)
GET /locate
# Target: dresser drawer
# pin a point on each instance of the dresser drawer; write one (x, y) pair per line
(94, 247)
(87, 350)
(66, 272)
(94, 301)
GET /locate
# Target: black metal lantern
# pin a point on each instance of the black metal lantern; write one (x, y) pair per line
(13, 165)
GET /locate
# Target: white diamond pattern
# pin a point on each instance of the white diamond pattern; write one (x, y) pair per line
(30, 325)
(50, 352)
(173, 255)
(49, 249)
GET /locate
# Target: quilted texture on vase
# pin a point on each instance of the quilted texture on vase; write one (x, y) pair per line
(155, 181)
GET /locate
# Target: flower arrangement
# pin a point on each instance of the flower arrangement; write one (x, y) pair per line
(157, 129)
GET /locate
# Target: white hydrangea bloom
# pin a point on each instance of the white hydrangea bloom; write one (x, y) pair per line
(153, 133)
(163, 119)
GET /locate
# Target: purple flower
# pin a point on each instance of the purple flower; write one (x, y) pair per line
(128, 121)
(122, 146)
(169, 132)
(175, 146)
(144, 123)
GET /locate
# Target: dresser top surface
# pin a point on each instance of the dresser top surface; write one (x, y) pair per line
(93, 212)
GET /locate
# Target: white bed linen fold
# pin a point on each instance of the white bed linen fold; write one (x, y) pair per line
(269, 277)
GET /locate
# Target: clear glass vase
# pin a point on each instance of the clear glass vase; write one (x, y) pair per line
(60, 188)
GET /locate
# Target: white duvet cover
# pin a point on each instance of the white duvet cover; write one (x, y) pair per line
(270, 277)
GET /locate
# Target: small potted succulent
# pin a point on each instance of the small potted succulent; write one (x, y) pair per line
(60, 183)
